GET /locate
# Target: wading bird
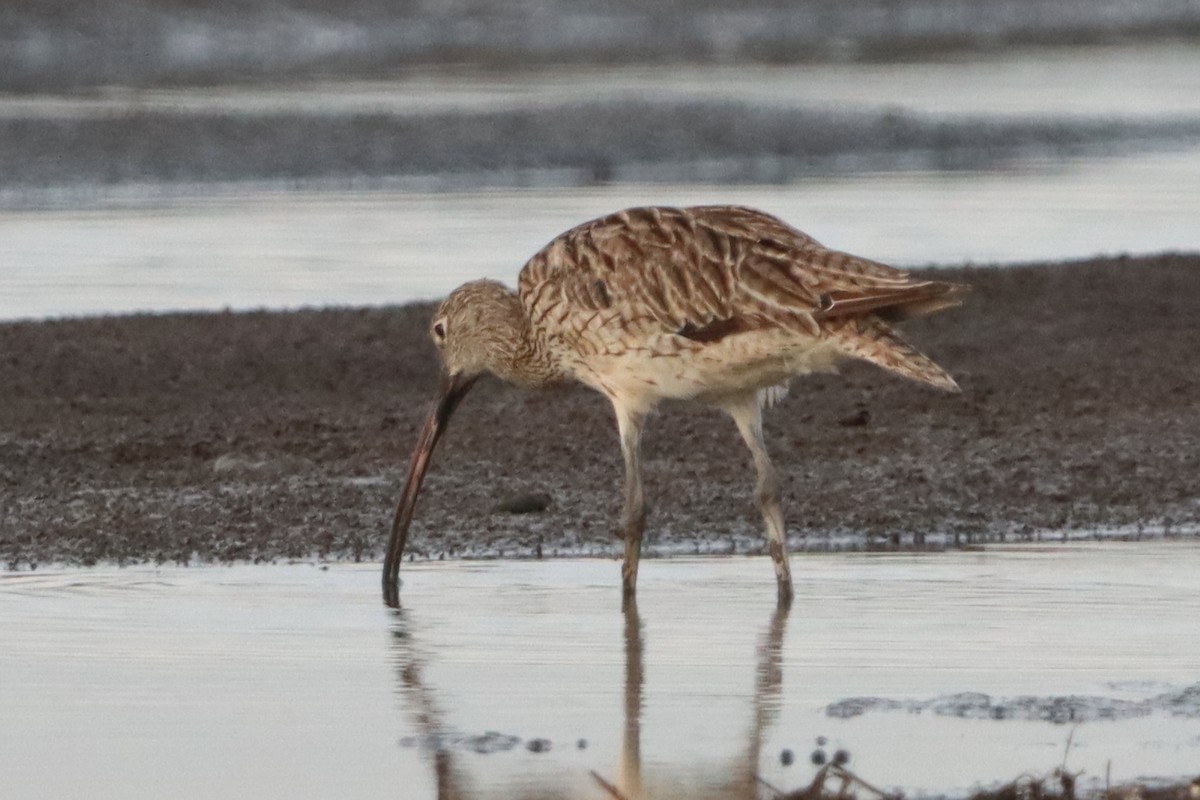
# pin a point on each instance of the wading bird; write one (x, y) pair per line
(718, 304)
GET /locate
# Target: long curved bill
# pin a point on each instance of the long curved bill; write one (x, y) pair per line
(454, 389)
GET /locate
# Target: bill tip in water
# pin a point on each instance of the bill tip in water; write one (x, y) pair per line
(454, 388)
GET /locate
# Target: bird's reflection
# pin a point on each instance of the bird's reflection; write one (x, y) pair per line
(743, 776)
(736, 781)
(635, 677)
(427, 717)
(768, 695)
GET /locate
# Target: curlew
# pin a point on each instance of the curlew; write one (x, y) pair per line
(717, 304)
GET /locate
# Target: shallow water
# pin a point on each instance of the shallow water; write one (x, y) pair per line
(1131, 81)
(281, 249)
(295, 681)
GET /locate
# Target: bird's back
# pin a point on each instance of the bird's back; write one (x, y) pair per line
(710, 299)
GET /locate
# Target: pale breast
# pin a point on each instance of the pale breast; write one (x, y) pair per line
(673, 368)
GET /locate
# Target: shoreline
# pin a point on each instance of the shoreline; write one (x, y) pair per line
(262, 436)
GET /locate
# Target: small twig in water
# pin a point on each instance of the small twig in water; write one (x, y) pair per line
(1067, 749)
(817, 791)
(848, 775)
(818, 782)
(1067, 780)
(608, 787)
(844, 791)
(770, 788)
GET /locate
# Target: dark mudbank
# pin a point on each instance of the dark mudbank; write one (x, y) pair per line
(266, 436)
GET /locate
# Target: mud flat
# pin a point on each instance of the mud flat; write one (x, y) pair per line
(265, 436)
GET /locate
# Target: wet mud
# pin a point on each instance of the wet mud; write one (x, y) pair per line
(1184, 702)
(267, 436)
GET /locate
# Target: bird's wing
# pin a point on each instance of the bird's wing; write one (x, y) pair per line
(705, 273)
(822, 285)
(749, 223)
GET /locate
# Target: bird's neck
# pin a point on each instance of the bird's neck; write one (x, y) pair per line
(521, 356)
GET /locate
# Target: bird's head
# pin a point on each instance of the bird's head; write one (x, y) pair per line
(474, 330)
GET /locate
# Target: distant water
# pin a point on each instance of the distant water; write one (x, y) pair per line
(1128, 82)
(246, 248)
(162, 247)
(295, 681)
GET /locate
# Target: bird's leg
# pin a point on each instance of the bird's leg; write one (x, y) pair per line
(748, 416)
(633, 521)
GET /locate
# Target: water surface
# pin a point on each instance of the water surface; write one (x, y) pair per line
(295, 681)
(168, 246)
(261, 248)
(1143, 81)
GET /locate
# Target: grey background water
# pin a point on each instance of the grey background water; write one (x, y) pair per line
(281, 249)
(1100, 155)
(293, 681)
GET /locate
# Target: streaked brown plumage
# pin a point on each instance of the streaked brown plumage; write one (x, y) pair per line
(720, 304)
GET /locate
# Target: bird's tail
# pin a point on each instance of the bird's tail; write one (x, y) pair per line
(891, 303)
(872, 339)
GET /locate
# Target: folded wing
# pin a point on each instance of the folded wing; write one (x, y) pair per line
(709, 272)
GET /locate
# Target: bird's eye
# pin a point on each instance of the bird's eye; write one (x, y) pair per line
(439, 331)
